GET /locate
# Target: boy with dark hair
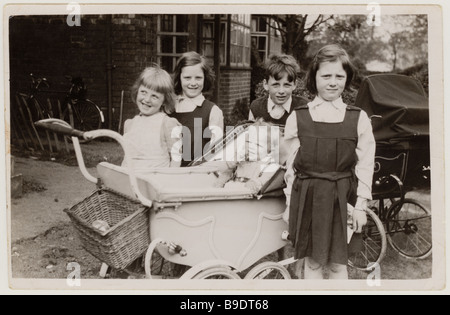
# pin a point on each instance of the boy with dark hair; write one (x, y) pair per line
(280, 81)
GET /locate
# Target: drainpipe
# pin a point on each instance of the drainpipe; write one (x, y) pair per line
(109, 68)
(217, 57)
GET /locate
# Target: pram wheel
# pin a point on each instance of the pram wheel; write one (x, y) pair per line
(409, 229)
(268, 270)
(155, 265)
(374, 245)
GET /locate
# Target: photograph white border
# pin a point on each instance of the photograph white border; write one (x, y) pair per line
(436, 10)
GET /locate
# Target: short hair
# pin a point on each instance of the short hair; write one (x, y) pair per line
(329, 53)
(277, 65)
(193, 58)
(157, 79)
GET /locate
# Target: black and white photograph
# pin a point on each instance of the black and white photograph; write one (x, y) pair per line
(287, 147)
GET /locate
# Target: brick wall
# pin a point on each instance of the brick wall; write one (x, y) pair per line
(48, 47)
(234, 91)
(133, 49)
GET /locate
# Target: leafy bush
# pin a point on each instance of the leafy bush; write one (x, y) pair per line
(419, 72)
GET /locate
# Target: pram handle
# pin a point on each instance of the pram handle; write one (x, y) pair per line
(61, 126)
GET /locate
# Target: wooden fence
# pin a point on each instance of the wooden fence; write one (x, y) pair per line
(26, 110)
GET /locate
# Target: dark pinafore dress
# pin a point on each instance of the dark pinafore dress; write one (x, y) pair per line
(197, 122)
(325, 182)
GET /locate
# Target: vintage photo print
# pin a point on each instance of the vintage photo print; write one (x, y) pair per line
(287, 147)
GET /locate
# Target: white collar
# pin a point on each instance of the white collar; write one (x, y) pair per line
(338, 103)
(198, 100)
(286, 106)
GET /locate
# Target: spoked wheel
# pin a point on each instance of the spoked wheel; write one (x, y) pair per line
(155, 265)
(409, 229)
(85, 116)
(217, 273)
(373, 247)
(268, 270)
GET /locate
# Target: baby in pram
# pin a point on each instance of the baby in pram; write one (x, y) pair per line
(255, 160)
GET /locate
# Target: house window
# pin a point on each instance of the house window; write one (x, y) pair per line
(260, 38)
(208, 36)
(172, 39)
(240, 40)
(234, 41)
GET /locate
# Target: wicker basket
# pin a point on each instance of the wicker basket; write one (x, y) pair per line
(128, 236)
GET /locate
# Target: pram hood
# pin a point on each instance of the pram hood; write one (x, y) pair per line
(402, 104)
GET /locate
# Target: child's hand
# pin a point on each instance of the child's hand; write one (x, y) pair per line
(359, 220)
(286, 215)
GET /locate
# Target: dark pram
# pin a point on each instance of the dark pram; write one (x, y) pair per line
(398, 108)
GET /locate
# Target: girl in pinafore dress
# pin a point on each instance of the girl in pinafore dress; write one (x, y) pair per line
(152, 137)
(331, 165)
(202, 120)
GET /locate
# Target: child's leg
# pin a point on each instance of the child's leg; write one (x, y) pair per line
(298, 268)
(295, 269)
(313, 270)
(337, 271)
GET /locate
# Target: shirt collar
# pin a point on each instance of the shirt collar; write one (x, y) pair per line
(286, 106)
(338, 104)
(198, 100)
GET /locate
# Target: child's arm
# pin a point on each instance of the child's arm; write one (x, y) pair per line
(292, 144)
(365, 152)
(216, 124)
(172, 137)
(126, 126)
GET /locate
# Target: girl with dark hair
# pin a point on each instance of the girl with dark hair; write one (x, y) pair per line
(331, 167)
(202, 120)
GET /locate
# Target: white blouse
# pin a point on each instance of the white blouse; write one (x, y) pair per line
(151, 141)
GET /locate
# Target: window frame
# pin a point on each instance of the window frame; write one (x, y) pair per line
(174, 34)
(242, 21)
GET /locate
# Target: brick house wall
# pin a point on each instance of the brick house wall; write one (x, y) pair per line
(133, 48)
(234, 90)
(47, 46)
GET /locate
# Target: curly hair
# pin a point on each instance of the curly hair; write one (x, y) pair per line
(193, 58)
